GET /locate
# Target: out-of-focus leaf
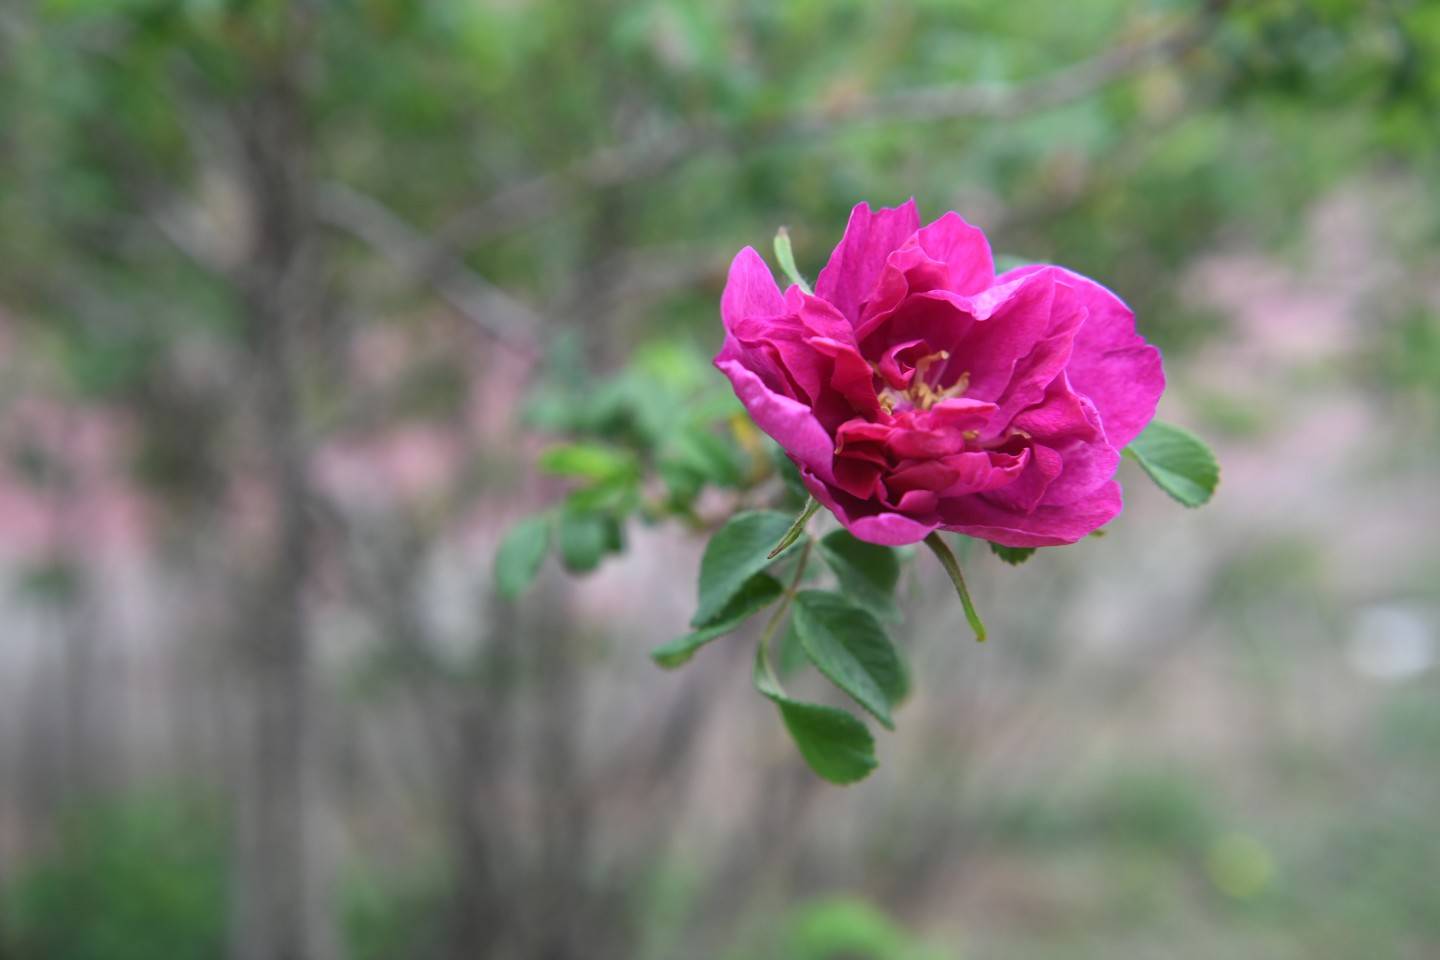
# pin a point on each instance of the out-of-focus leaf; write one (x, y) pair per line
(520, 555)
(585, 538)
(591, 460)
(708, 455)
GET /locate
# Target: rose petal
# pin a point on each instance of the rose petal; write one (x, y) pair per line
(750, 290)
(788, 422)
(855, 265)
(1047, 526)
(885, 527)
(964, 251)
(1111, 364)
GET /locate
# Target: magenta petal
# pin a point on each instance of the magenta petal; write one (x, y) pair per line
(1087, 467)
(1026, 491)
(855, 265)
(1020, 341)
(964, 251)
(885, 528)
(1063, 415)
(890, 529)
(850, 376)
(1047, 526)
(897, 364)
(750, 290)
(918, 502)
(1110, 363)
(788, 422)
(979, 472)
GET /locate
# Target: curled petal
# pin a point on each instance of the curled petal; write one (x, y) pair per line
(750, 290)
(1111, 364)
(854, 267)
(969, 267)
(787, 421)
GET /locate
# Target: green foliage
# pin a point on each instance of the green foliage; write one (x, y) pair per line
(837, 746)
(388, 913)
(850, 647)
(135, 880)
(1178, 462)
(1012, 555)
(591, 461)
(833, 743)
(758, 592)
(585, 538)
(849, 927)
(734, 555)
(867, 572)
(520, 555)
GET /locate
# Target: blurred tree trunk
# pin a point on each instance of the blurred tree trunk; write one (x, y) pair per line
(281, 911)
(483, 901)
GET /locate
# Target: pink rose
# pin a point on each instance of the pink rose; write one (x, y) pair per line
(916, 390)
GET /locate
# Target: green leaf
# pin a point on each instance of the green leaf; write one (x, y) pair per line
(734, 555)
(833, 742)
(1012, 555)
(790, 654)
(590, 460)
(585, 538)
(867, 572)
(850, 647)
(759, 592)
(520, 555)
(785, 256)
(1178, 462)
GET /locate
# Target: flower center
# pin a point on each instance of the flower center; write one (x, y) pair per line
(922, 394)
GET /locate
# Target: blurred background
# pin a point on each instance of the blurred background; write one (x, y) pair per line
(292, 295)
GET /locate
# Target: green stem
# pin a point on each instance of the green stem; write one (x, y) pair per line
(762, 653)
(796, 528)
(952, 566)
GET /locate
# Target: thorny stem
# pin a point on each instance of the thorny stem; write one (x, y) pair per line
(952, 566)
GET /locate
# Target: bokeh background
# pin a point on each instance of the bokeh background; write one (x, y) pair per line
(292, 295)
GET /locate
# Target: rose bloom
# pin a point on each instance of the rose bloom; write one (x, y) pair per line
(916, 390)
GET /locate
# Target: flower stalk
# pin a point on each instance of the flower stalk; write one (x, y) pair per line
(946, 556)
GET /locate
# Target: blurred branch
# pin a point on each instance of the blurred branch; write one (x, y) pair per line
(951, 101)
(530, 200)
(495, 312)
(642, 276)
